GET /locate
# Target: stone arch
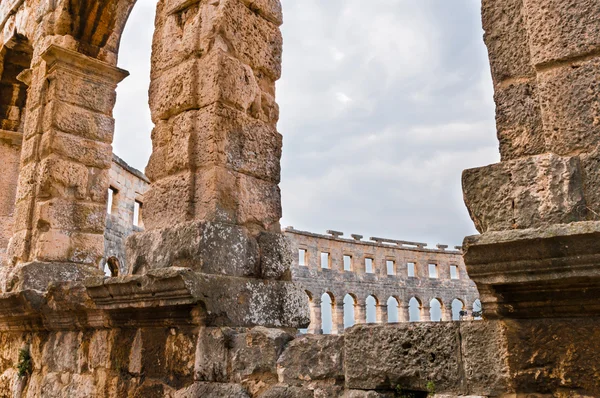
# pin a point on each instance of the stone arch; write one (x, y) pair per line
(372, 309)
(393, 309)
(327, 313)
(350, 302)
(477, 310)
(415, 309)
(436, 309)
(458, 306)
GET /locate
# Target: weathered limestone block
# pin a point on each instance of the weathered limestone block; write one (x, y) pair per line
(169, 201)
(214, 194)
(312, 358)
(275, 256)
(216, 134)
(382, 357)
(485, 358)
(521, 273)
(570, 108)
(553, 355)
(212, 355)
(89, 152)
(197, 83)
(211, 248)
(525, 193)
(561, 29)
(287, 392)
(519, 120)
(200, 389)
(185, 29)
(78, 121)
(506, 39)
(38, 275)
(226, 301)
(368, 394)
(590, 163)
(253, 357)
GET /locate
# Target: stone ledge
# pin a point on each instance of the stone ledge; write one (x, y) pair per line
(552, 271)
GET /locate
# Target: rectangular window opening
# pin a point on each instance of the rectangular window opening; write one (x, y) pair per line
(454, 272)
(347, 263)
(137, 213)
(112, 193)
(391, 267)
(410, 267)
(302, 257)
(433, 271)
(369, 265)
(325, 260)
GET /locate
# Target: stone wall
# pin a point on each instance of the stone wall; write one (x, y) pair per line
(106, 350)
(10, 152)
(381, 285)
(129, 186)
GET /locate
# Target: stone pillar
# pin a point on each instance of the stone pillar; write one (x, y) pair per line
(338, 318)
(61, 200)
(215, 164)
(425, 314)
(446, 313)
(216, 150)
(381, 313)
(403, 313)
(360, 311)
(316, 318)
(536, 261)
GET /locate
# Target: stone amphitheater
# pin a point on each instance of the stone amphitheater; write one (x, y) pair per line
(203, 295)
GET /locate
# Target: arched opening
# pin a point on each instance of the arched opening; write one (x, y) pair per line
(309, 298)
(392, 310)
(371, 309)
(327, 302)
(477, 310)
(15, 61)
(435, 310)
(349, 311)
(457, 307)
(414, 310)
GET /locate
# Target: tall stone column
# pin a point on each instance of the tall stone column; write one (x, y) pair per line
(214, 204)
(360, 311)
(447, 313)
(536, 263)
(316, 317)
(60, 206)
(381, 313)
(338, 318)
(425, 314)
(403, 313)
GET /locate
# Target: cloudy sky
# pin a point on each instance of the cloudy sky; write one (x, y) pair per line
(383, 104)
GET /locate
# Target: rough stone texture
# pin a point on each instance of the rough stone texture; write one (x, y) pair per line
(528, 192)
(211, 248)
(411, 355)
(313, 360)
(560, 30)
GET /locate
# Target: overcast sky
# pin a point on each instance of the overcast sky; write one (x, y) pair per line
(383, 104)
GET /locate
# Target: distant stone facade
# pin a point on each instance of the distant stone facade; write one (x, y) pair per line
(380, 268)
(126, 199)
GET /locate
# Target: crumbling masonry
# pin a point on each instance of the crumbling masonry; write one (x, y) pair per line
(208, 308)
